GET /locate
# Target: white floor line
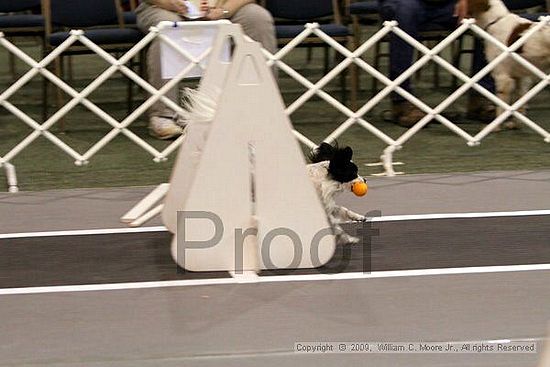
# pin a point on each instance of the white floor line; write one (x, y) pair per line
(388, 218)
(273, 279)
(519, 213)
(82, 232)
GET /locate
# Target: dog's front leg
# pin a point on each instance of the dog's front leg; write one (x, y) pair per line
(347, 214)
(505, 86)
(524, 84)
(342, 237)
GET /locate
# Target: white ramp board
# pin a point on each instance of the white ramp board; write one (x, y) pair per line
(250, 136)
(190, 151)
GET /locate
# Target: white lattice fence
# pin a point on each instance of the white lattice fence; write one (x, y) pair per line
(313, 89)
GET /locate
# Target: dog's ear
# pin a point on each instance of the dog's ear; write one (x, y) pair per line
(347, 153)
(323, 152)
(341, 168)
(325, 148)
(476, 7)
(343, 154)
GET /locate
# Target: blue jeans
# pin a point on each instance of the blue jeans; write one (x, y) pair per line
(414, 16)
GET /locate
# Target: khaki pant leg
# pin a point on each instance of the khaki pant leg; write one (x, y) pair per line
(147, 17)
(258, 24)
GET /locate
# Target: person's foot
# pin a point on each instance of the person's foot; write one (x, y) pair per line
(510, 124)
(163, 128)
(406, 114)
(480, 109)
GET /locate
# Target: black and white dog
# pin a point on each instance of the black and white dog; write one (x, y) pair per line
(332, 171)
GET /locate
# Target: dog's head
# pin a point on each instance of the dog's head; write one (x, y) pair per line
(341, 168)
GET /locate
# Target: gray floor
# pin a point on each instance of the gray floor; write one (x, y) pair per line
(410, 194)
(258, 324)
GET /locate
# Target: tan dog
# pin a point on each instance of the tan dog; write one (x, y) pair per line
(511, 79)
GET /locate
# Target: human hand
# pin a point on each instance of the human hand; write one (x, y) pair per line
(215, 14)
(461, 9)
(177, 6)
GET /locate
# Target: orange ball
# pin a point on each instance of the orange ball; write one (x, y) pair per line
(359, 188)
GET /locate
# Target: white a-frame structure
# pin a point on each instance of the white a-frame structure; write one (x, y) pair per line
(239, 183)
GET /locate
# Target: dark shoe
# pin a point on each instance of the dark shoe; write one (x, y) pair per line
(480, 109)
(406, 114)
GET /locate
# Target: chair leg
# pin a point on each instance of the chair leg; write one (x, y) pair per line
(45, 86)
(130, 87)
(418, 74)
(343, 75)
(13, 71)
(143, 64)
(70, 74)
(355, 70)
(59, 92)
(354, 75)
(326, 58)
(437, 69)
(343, 86)
(377, 56)
(130, 103)
(436, 75)
(457, 56)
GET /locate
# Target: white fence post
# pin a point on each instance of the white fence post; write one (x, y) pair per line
(313, 89)
(11, 177)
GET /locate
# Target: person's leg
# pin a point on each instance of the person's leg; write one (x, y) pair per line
(413, 17)
(478, 107)
(479, 62)
(409, 14)
(258, 24)
(441, 15)
(161, 118)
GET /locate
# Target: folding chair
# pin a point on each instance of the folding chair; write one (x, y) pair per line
(102, 22)
(522, 8)
(21, 20)
(21, 24)
(362, 12)
(291, 16)
(369, 10)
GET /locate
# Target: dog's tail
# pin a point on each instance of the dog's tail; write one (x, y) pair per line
(199, 105)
